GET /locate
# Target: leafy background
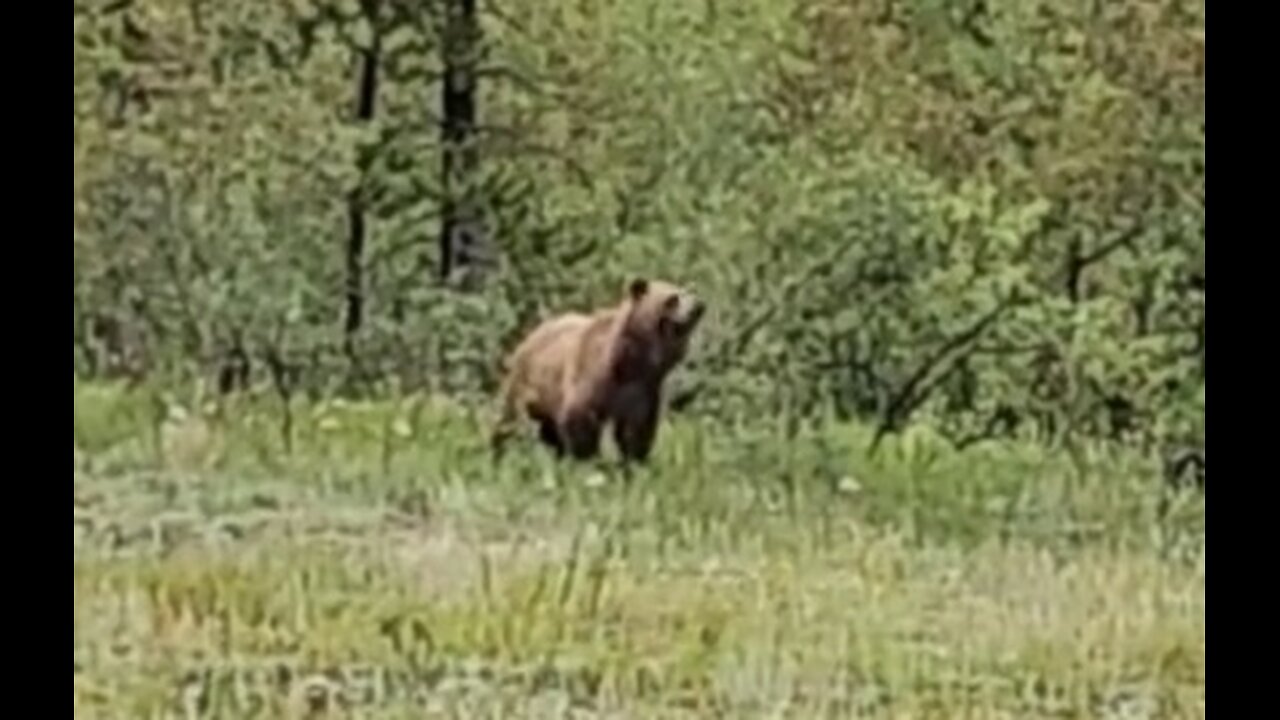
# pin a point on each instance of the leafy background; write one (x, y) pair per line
(986, 214)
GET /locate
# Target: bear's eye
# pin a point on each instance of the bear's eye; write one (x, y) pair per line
(671, 303)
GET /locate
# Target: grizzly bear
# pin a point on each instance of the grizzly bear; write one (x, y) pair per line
(576, 373)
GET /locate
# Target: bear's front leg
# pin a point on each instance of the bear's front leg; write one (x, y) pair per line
(636, 429)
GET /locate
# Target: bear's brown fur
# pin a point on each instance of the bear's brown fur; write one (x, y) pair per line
(576, 373)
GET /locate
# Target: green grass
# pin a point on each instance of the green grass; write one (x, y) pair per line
(377, 565)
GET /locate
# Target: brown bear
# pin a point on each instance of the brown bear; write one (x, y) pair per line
(576, 373)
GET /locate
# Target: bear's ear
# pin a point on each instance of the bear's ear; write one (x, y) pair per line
(638, 288)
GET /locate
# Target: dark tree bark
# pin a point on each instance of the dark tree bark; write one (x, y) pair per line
(357, 230)
(236, 366)
(1200, 348)
(1078, 261)
(462, 234)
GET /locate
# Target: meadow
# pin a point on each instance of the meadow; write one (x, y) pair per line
(370, 561)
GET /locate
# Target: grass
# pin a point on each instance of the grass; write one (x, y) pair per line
(377, 565)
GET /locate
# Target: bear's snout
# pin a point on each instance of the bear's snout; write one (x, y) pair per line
(697, 307)
(686, 314)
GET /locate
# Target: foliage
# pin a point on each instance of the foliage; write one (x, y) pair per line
(984, 216)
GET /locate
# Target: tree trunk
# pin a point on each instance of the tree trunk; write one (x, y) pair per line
(1074, 269)
(357, 230)
(462, 233)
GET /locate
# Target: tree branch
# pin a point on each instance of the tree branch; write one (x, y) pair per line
(1078, 263)
(918, 387)
(1102, 253)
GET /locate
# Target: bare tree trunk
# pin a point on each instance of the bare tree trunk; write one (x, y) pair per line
(357, 230)
(462, 234)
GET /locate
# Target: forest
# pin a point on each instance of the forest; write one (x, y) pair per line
(986, 214)
(954, 259)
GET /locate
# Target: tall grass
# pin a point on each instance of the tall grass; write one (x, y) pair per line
(377, 564)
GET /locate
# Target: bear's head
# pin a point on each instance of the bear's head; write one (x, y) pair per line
(663, 316)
